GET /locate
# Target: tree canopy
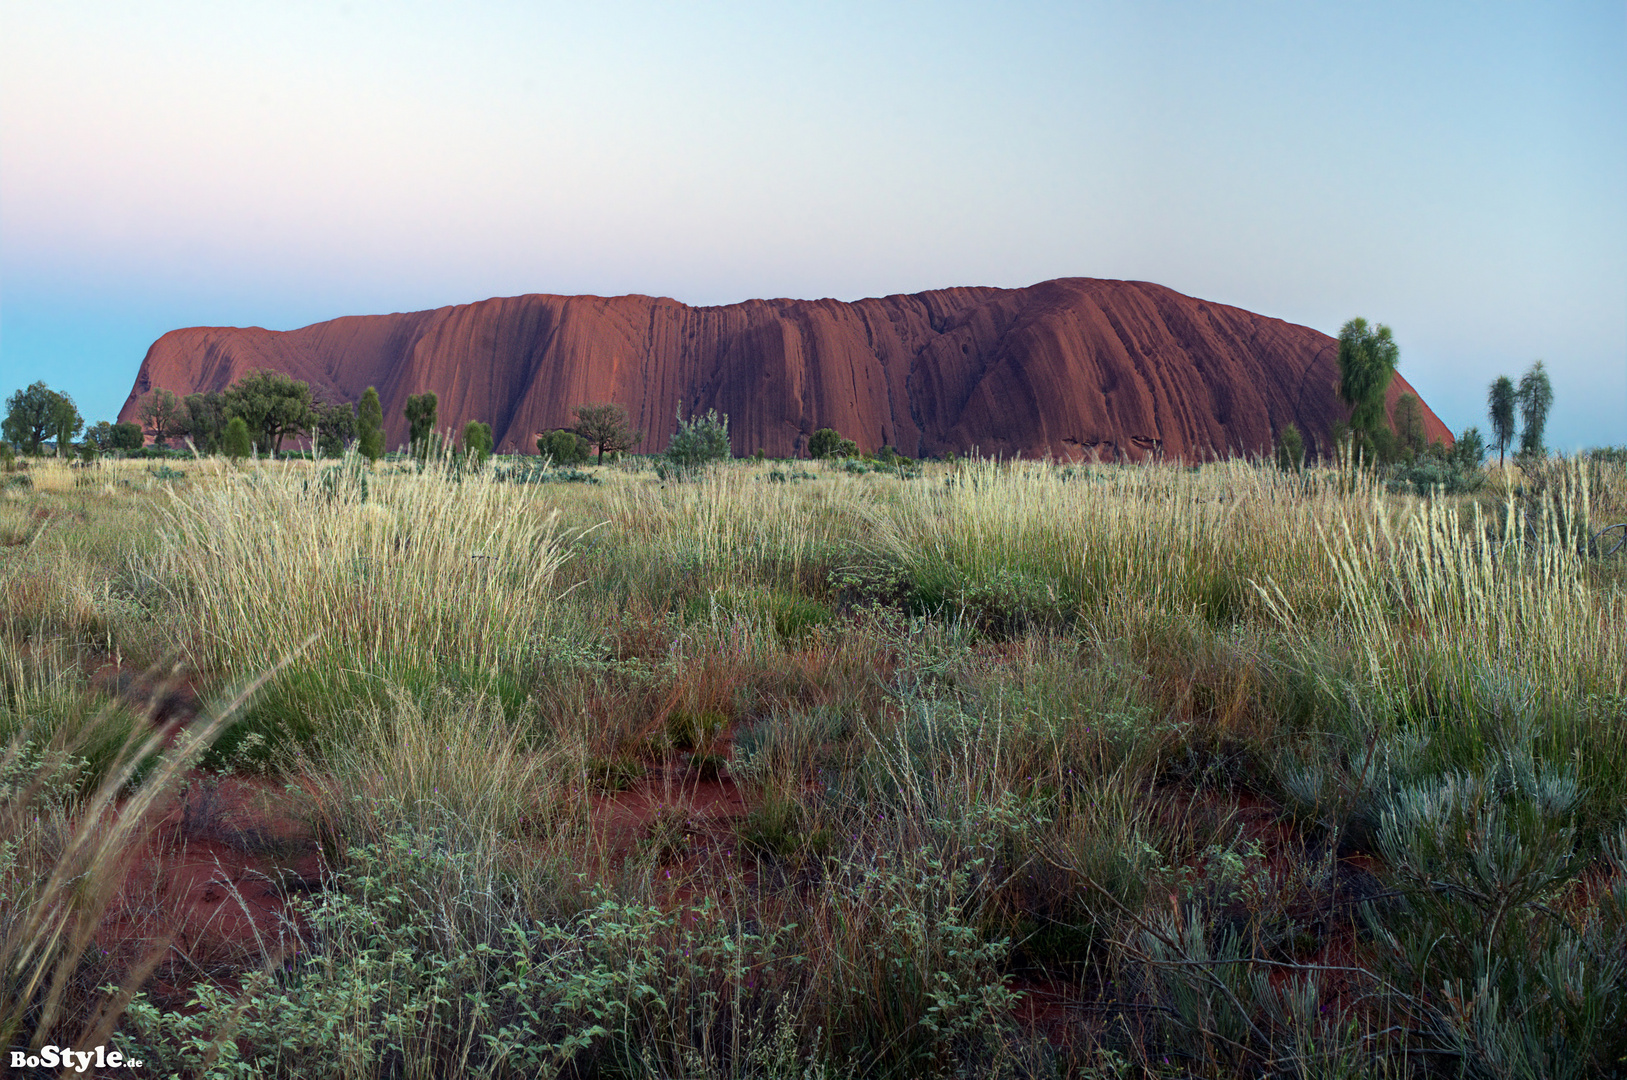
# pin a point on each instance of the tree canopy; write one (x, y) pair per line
(1535, 397)
(127, 436)
(273, 405)
(421, 419)
(606, 427)
(65, 424)
(33, 414)
(1290, 449)
(1469, 449)
(477, 441)
(206, 419)
(1500, 409)
(564, 446)
(335, 424)
(828, 443)
(370, 426)
(101, 437)
(234, 441)
(163, 414)
(1409, 424)
(1367, 360)
(104, 437)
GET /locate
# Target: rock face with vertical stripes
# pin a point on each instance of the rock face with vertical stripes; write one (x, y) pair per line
(1069, 368)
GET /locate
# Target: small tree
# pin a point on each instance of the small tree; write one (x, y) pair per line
(1500, 408)
(235, 442)
(370, 426)
(828, 443)
(1536, 397)
(606, 426)
(335, 427)
(65, 423)
(31, 415)
(275, 406)
(100, 436)
(564, 446)
(163, 414)
(1290, 449)
(420, 414)
(127, 436)
(477, 441)
(1409, 424)
(699, 442)
(206, 420)
(1469, 450)
(1367, 361)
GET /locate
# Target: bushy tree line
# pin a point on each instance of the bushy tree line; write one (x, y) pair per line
(259, 413)
(271, 407)
(263, 411)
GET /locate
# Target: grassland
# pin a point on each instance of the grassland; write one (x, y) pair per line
(805, 771)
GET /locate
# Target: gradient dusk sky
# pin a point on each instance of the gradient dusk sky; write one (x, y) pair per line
(1458, 171)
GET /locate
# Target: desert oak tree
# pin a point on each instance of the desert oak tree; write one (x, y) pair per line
(606, 427)
(1535, 397)
(1500, 410)
(370, 426)
(274, 405)
(420, 413)
(163, 414)
(1367, 360)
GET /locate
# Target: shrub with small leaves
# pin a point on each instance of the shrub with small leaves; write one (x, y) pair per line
(828, 443)
(564, 447)
(699, 443)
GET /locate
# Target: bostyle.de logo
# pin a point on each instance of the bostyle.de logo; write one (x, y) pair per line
(66, 1057)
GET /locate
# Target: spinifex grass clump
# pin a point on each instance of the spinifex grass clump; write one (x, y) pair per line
(1022, 545)
(437, 574)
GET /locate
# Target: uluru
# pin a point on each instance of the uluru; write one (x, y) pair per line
(1068, 368)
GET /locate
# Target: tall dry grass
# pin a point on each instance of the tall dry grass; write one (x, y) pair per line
(1152, 734)
(419, 570)
(69, 830)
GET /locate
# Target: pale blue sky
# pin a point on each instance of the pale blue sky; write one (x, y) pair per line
(1458, 171)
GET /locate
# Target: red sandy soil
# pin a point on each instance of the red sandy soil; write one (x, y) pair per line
(213, 883)
(1073, 368)
(707, 808)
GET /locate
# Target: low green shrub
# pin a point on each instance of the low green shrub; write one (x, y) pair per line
(699, 443)
(828, 443)
(1428, 473)
(537, 472)
(563, 447)
(776, 828)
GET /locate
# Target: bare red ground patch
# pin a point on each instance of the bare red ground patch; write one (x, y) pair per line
(212, 883)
